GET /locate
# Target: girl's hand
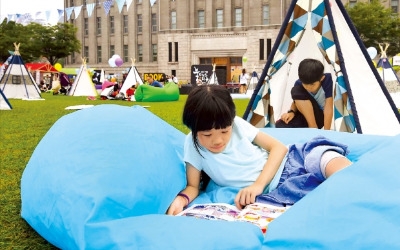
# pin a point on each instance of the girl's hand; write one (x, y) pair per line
(177, 205)
(191, 190)
(247, 195)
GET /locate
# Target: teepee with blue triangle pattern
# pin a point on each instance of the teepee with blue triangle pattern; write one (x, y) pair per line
(322, 29)
(17, 82)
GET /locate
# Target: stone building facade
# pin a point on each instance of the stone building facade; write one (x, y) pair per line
(171, 36)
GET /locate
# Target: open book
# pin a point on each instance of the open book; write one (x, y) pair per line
(258, 214)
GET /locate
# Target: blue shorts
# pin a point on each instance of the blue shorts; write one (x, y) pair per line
(298, 180)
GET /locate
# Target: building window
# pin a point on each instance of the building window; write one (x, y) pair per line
(139, 1)
(140, 52)
(112, 25)
(173, 20)
(352, 3)
(154, 22)
(86, 26)
(86, 53)
(220, 19)
(139, 24)
(265, 14)
(395, 6)
(169, 52)
(73, 57)
(206, 61)
(176, 51)
(71, 3)
(84, 2)
(269, 46)
(126, 53)
(98, 54)
(125, 25)
(173, 52)
(98, 25)
(154, 52)
(261, 50)
(238, 17)
(112, 50)
(201, 20)
(236, 60)
(263, 54)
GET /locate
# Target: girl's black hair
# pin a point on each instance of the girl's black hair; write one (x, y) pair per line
(208, 107)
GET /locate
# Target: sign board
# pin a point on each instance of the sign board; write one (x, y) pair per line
(160, 77)
(96, 76)
(396, 61)
(200, 73)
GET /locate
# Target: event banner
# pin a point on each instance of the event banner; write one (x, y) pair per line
(200, 73)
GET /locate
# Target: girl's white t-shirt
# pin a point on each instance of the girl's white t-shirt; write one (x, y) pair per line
(239, 165)
(243, 78)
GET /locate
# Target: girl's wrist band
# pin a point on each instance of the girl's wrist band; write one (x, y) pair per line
(186, 197)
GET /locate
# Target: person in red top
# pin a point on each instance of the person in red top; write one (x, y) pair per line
(130, 92)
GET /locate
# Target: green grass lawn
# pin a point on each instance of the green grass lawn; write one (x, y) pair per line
(23, 127)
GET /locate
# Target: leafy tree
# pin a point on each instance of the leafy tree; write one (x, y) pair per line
(38, 41)
(9, 33)
(53, 42)
(376, 24)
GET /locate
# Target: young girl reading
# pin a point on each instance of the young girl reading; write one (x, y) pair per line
(234, 153)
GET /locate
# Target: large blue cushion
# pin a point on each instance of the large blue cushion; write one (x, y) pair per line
(357, 208)
(103, 177)
(101, 164)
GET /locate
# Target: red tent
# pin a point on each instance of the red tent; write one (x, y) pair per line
(42, 67)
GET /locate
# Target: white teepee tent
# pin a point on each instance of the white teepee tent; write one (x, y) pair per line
(132, 78)
(213, 78)
(102, 76)
(384, 68)
(253, 81)
(321, 29)
(83, 84)
(4, 103)
(17, 82)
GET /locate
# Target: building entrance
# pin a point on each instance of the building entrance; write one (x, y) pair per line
(221, 73)
(227, 69)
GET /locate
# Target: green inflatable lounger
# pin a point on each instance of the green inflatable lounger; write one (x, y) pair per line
(147, 93)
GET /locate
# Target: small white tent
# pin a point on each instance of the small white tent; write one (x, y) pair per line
(132, 78)
(102, 76)
(4, 103)
(17, 82)
(321, 29)
(213, 78)
(83, 84)
(385, 69)
(253, 81)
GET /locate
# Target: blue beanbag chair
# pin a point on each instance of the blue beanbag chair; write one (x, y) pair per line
(116, 171)
(118, 168)
(357, 208)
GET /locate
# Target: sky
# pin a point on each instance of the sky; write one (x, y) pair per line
(28, 6)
